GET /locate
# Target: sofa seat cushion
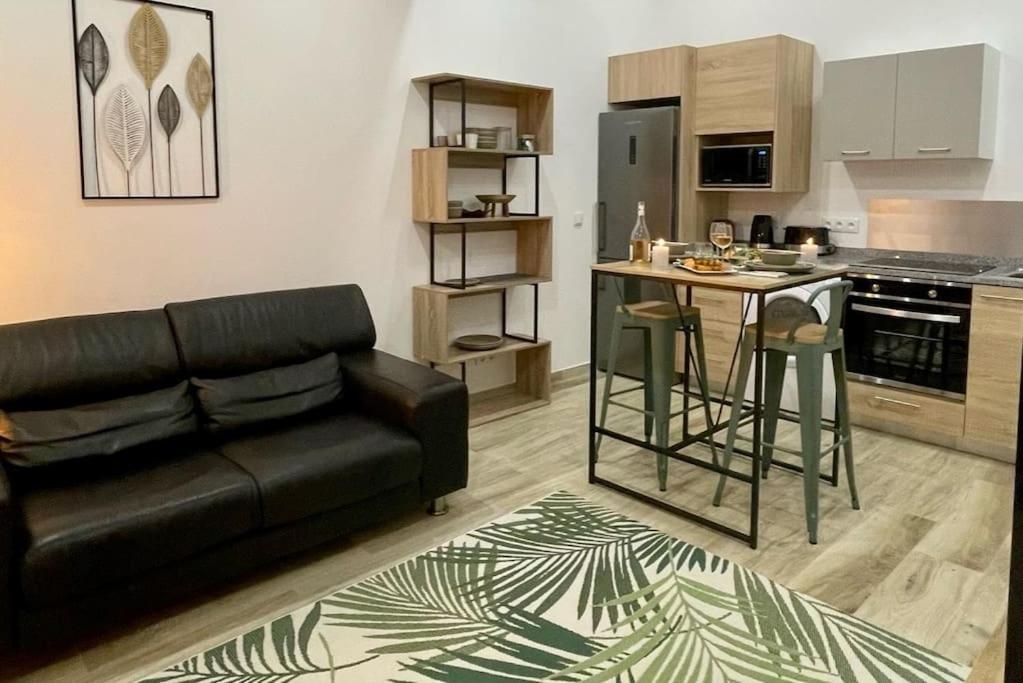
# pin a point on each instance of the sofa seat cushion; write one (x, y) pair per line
(232, 402)
(88, 532)
(34, 438)
(322, 462)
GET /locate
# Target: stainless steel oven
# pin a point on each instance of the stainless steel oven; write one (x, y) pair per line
(909, 333)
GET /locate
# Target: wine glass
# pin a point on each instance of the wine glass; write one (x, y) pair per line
(721, 235)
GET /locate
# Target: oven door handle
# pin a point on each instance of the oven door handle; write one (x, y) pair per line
(911, 315)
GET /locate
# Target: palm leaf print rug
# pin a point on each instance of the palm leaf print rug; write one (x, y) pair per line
(564, 590)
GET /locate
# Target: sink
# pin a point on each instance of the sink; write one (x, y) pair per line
(1016, 274)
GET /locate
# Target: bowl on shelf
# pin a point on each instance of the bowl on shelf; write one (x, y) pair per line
(779, 257)
(491, 202)
(479, 342)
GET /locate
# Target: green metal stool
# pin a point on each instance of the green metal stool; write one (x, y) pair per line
(660, 322)
(791, 328)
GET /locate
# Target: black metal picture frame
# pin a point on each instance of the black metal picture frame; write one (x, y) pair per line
(82, 134)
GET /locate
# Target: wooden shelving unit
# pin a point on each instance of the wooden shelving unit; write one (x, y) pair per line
(432, 333)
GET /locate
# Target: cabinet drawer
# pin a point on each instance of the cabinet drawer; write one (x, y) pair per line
(719, 343)
(717, 304)
(923, 417)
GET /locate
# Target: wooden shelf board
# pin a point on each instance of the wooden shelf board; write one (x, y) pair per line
(493, 283)
(486, 221)
(739, 189)
(495, 152)
(456, 355)
(482, 83)
(495, 404)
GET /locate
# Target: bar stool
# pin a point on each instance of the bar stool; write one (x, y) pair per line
(660, 322)
(791, 328)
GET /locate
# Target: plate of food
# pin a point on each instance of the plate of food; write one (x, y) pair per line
(706, 265)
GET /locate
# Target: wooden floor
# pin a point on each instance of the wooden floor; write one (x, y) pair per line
(927, 557)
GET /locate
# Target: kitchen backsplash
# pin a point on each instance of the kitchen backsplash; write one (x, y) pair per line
(981, 228)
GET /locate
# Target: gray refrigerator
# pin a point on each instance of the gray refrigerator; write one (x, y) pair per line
(637, 162)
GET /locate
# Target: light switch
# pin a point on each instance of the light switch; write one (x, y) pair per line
(577, 219)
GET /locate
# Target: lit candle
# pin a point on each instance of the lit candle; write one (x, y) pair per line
(809, 251)
(660, 254)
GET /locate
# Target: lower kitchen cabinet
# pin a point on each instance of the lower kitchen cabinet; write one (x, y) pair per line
(720, 315)
(993, 381)
(918, 416)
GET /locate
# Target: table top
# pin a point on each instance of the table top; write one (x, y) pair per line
(737, 282)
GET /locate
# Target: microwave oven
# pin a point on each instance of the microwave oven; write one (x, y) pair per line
(735, 166)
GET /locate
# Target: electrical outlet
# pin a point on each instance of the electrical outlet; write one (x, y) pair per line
(851, 225)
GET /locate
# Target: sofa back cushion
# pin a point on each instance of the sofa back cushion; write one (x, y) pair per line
(35, 438)
(73, 361)
(236, 335)
(232, 402)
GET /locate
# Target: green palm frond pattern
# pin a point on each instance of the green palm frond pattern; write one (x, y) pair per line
(564, 590)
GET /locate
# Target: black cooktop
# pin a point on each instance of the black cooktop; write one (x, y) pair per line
(923, 265)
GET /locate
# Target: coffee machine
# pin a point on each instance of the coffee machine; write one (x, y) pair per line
(761, 235)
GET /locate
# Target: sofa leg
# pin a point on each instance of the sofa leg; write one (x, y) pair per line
(438, 506)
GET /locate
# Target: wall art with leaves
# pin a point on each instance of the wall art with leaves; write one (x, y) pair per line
(147, 111)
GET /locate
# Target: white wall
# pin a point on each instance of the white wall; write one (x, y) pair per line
(317, 117)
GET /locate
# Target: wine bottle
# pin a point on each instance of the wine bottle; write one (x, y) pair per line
(639, 242)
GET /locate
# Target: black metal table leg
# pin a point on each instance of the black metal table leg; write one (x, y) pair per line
(592, 433)
(687, 367)
(758, 413)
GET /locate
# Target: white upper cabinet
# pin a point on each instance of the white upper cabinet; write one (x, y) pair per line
(915, 105)
(945, 103)
(858, 117)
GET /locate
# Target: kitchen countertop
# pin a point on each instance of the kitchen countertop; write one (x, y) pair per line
(997, 277)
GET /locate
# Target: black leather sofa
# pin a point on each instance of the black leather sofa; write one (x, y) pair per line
(147, 455)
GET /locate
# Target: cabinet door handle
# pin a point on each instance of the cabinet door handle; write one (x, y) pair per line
(897, 402)
(933, 150)
(855, 152)
(1001, 298)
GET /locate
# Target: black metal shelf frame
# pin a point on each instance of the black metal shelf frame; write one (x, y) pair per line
(463, 232)
(510, 154)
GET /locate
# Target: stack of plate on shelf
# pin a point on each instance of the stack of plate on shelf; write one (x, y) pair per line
(487, 137)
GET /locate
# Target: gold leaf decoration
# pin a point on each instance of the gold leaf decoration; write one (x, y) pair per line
(200, 84)
(148, 43)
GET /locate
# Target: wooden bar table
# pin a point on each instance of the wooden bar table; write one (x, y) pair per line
(756, 288)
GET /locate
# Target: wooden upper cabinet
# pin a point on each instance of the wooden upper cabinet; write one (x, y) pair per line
(643, 76)
(763, 86)
(945, 104)
(858, 108)
(737, 86)
(993, 371)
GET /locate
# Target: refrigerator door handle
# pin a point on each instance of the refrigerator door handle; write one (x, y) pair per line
(601, 226)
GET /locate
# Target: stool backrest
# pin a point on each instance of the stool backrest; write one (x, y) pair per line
(838, 291)
(787, 314)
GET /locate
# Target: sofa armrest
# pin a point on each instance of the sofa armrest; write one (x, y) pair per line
(7, 608)
(433, 406)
